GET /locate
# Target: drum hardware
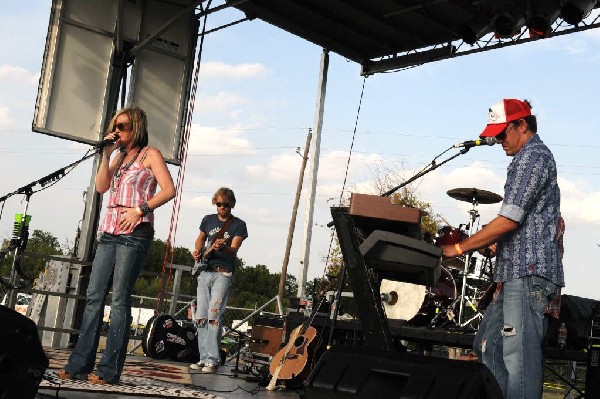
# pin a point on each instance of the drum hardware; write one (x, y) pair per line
(475, 197)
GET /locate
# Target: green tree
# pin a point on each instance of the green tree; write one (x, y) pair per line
(39, 244)
(151, 277)
(254, 286)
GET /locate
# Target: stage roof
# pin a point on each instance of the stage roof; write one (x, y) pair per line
(371, 31)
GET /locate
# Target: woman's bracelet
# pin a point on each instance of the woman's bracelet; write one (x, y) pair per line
(143, 209)
(458, 249)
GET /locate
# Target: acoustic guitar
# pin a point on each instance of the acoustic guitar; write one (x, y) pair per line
(291, 360)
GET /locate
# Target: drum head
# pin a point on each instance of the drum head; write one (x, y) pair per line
(408, 299)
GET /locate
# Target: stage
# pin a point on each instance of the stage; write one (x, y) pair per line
(150, 378)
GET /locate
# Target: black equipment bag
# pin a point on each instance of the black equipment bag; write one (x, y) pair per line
(164, 338)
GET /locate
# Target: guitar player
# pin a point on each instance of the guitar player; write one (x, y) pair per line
(223, 234)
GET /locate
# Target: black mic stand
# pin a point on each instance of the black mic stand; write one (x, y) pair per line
(336, 301)
(431, 167)
(241, 339)
(21, 232)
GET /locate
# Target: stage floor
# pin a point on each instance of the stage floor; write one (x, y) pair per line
(145, 377)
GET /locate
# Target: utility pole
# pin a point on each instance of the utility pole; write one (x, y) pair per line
(288, 247)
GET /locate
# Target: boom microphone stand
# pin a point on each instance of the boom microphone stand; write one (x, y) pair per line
(20, 234)
(429, 168)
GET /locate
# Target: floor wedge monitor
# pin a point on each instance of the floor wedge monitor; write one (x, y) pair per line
(350, 372)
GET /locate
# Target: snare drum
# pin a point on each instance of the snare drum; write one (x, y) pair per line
(449, 235)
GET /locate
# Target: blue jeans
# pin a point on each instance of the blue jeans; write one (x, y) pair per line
(118, 261)
(509, 339)
(212, 294)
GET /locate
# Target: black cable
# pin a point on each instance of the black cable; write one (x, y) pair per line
(362, 92)
(336, 301)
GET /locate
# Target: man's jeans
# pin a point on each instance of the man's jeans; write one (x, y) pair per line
(213, 291)
(509, 339)
(126, 253)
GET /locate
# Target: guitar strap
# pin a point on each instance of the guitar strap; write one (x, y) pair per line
(223, 228)
(202, 265)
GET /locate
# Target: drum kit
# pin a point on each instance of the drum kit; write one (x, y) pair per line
(463, 279)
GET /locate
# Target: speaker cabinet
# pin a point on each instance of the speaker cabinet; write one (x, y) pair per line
(349, 372)
(576, 312)
(266, 340)
(22, 358)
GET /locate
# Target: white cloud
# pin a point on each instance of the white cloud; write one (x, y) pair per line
(216, 70)
(279, 168)
(5, 119)
(579, 203)
(219, 102)
(12, 73)
(205, 140)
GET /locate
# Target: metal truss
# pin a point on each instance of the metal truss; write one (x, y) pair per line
(459, 48)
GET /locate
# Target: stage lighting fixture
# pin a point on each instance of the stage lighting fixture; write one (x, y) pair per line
(507, 24)
(544, 14)
(474, 30)
(573, 11)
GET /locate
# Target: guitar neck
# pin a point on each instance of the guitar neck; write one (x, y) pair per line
(308, 322)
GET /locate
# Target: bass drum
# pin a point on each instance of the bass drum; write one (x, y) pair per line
(419, 304)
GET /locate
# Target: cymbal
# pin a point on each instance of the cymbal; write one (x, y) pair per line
(474, 195)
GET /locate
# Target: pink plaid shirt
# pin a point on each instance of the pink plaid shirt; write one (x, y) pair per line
(135, 186)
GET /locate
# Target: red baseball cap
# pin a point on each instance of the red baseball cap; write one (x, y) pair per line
(502, 113)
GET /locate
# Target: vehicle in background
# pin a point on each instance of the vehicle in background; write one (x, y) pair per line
(22, 302)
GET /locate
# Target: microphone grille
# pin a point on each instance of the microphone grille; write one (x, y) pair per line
(490, 140)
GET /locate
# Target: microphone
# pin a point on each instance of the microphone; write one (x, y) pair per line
(106, 142)
(475, 143)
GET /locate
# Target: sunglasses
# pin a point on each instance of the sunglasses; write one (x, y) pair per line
(502, 136)
(122, 126)
(222, 204)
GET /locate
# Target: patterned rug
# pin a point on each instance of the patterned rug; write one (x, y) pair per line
(142, 377)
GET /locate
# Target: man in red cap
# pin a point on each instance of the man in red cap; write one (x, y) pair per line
(528, 271)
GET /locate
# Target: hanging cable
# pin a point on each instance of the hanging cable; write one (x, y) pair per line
(353, 138)
(362, 92)
(169, 247)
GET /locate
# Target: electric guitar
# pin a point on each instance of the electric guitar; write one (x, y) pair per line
(202, 263)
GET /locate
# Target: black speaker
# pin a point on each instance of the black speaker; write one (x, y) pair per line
(350, 372)
(576, 312)
(592, 386)
(22, 358)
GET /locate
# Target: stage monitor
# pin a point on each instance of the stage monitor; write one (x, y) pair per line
(81, 73)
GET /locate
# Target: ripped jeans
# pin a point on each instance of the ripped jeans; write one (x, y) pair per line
(509, 339)
(212, 293)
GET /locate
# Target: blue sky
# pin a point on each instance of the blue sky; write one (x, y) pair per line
(256, 99)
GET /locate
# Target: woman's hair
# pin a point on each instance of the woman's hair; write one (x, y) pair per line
(139, 125)
(224, 192)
